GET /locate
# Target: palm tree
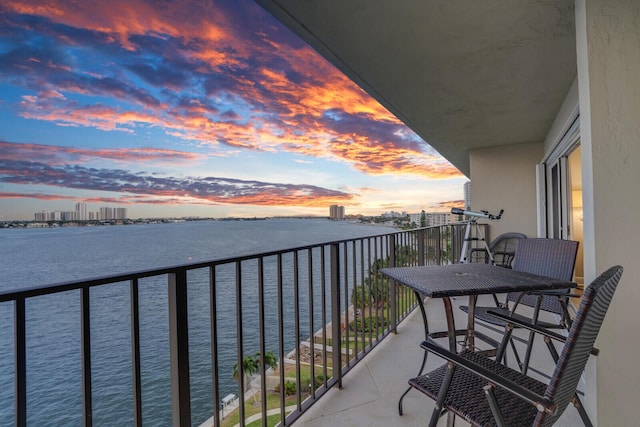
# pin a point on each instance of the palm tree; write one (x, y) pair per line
(250, 365)
(270, 359)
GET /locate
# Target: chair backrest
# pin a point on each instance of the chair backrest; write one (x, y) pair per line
(554, 258)
(503, 248)
(580, 341)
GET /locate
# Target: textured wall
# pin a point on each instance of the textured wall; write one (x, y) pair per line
(608, 52)
(504, 177)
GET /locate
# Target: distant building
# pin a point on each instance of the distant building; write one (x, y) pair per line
(336, 212)
(82, 214)
(394, 214)
(69, 216)
(81, 209)
(120, 213)
(467, 195)
(106, 213)
(433, 219)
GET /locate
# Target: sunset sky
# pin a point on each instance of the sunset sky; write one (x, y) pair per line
(200, 108)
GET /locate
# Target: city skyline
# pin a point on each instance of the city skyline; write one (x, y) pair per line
(82, 213)
(194, 109)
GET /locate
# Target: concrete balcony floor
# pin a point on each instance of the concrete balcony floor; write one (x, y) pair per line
(370, 392)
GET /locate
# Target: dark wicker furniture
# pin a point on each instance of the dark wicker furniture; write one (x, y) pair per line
(486, 393)
(502, 248)
(547, 257)
(472, 279)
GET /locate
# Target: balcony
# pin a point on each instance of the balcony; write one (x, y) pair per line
(370, 393)
(281, 304)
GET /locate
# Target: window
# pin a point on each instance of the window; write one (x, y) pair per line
(560, 192)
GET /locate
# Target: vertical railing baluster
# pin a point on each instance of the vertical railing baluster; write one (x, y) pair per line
(323, 280)
(345, 326)
(377, 243)
(85, 331)
(20, 363)
(135, 352)
(312, 341)
(215, 374)
(364, 303)
(263, 345)
(296, 326)
(240, 343)
(438, 244)
(421, 245)
(336, 343)
(392, 286)
(179, 349)
(354, 293)
(372, 277)
(281, 340)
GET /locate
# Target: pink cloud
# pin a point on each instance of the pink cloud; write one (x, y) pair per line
(55, 155)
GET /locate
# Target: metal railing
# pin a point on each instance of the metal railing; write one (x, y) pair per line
(315, 310)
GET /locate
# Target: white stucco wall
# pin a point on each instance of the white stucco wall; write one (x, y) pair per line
(608, 48)
(504, 177)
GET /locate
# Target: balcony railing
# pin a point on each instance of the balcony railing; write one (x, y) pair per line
(317, 310)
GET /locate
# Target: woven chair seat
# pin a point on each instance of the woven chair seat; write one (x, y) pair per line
(466, 397)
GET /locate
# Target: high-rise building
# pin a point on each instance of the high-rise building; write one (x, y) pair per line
(467, 195)
(69, 215)
(106, 213)
(119, 213)
(336, 212)
(81, 209)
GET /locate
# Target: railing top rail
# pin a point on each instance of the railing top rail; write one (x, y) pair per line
(17, 294)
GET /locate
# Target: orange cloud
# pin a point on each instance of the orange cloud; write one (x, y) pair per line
(246, 88)
(451, 204)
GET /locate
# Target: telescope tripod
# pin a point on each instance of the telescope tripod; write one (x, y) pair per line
(467, 247)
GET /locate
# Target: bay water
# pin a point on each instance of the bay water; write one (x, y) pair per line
(35, 257)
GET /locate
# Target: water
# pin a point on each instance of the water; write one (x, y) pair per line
(33, 257)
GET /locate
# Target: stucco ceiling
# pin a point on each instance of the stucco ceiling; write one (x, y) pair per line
(461, 74)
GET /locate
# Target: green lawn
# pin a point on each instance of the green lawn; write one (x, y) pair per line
(273, 398)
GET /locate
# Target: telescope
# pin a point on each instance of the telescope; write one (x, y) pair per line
(478, 214)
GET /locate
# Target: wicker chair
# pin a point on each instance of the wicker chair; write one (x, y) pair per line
(546, 257)
(502, 248)
(486, 393)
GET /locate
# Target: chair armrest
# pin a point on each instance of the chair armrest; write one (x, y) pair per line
(522, 324)
(537, 400)
(555, 294)
(534, 328)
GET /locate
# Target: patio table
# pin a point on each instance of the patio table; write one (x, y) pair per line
(471, 280)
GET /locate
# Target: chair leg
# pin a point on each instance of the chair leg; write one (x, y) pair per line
(400, 401)
(527, 356)
(581, 411)
(576, 400)
(442, 394)
(501, 356)
(493, 404)
(424, 362)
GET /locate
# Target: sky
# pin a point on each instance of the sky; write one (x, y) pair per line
(194, 108)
